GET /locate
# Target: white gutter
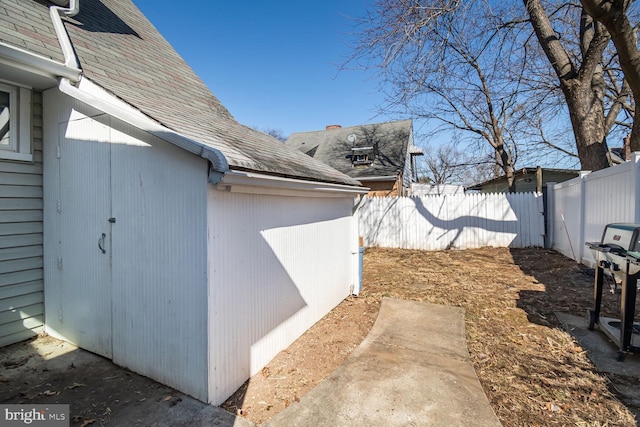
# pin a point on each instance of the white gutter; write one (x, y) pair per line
(33, 63)
(116, 108)
(378, 178)
(255, 183)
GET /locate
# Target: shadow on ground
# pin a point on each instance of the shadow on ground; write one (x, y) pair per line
(564, 304)
(47, 371)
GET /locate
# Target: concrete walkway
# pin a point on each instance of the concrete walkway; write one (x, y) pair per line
(413, 369)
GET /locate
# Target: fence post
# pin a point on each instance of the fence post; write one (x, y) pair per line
(549, 215)
(635, 158)
(583, 206)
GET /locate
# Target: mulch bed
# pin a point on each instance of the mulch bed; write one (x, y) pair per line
(532, 371)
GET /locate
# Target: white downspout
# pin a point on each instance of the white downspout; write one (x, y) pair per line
(217, 160)
(56, 13)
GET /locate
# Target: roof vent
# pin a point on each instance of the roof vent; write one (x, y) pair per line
(329, 127)
(64, 3)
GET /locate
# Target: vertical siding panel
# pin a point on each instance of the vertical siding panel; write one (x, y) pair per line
(158, 246)
(276, 266)
(68, 310)
(158, 195)
(21, 271)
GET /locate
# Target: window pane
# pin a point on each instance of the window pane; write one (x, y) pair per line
(4, 119)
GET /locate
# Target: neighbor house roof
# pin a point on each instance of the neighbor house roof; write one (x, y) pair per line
(121, 51)
(335, 146)
(569, 173)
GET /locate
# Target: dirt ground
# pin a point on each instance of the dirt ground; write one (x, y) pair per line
(532, 371)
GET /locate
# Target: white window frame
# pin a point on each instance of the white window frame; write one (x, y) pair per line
(20, 124)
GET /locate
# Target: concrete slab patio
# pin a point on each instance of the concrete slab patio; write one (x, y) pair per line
(603, 353)
(412, 369)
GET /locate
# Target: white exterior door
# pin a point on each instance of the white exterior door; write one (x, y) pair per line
(84, 242)
(138, 295)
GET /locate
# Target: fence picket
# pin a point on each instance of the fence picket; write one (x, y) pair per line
(580, 208)
(460, 221)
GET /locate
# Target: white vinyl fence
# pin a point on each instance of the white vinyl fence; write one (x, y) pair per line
(461, 221)
(579, 209)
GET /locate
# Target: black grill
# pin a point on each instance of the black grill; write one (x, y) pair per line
(618, 256)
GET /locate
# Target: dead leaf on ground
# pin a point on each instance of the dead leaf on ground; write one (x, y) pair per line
(75, 385)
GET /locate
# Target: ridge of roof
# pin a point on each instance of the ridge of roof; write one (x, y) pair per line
(403, 122)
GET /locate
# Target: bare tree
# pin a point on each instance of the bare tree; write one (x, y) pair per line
(581, 79)
(449, 165)
(469, 66)
(276, 133)
(613, 15)
(444, 60)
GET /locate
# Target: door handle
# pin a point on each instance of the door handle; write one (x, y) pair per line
(101, 243)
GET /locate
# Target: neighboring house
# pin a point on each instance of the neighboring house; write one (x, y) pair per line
(527, 180)
(381, 156)
(139, 220)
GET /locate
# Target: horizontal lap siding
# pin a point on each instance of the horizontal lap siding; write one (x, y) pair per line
(21, 279)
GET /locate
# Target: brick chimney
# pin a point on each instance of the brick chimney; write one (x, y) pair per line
(329, 127)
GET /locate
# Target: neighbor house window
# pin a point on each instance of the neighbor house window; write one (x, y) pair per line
(362, 156)
(15, 123)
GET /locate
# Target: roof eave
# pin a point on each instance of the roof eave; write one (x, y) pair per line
(258, 183)
(378, 178)
(36, 65)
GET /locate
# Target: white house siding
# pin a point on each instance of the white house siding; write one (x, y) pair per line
(143, 302)
(21, 277)
(277, 265)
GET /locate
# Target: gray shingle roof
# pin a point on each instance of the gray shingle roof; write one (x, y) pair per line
(27, 25)
(120, 50)
(389, 142)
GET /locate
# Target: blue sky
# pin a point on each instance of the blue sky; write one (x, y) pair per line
(273, 64)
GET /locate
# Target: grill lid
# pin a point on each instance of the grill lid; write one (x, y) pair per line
(622, 236)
